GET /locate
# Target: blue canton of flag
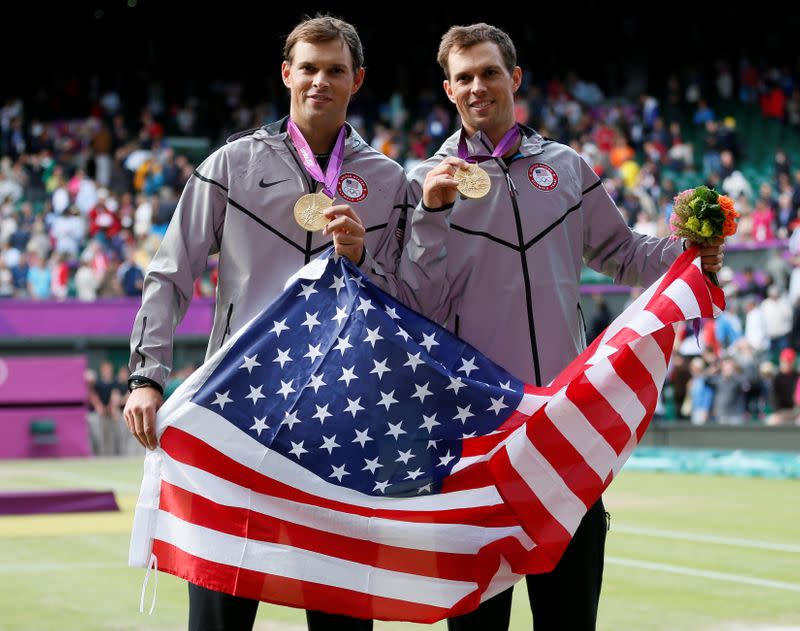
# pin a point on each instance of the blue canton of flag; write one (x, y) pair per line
(357, 388)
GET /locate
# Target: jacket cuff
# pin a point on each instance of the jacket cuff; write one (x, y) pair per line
(436, 210)
(150, 382)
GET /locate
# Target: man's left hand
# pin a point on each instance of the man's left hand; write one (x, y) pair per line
(347, 230)
(712, 255)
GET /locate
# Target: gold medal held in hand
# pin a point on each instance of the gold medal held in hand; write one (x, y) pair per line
(309, 211)
(473, 181)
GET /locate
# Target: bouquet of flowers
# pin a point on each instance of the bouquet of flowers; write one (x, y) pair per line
(702, 215)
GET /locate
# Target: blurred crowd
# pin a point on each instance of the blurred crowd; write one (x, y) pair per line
(108, 393)
(740, 367)
(85, 201)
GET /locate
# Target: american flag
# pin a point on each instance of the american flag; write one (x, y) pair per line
(343, 453)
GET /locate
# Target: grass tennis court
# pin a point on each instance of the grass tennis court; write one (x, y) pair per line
(685, 553)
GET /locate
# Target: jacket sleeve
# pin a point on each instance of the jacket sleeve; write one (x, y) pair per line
(193, 233)
(611, 247)
(412, 266)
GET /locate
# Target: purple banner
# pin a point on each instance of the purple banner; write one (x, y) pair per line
(43, 380)
(56, 501)
(114, 317)
(773, 244)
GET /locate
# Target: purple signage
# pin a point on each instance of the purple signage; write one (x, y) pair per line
(46, 432)
(113, 317)
(43, 380)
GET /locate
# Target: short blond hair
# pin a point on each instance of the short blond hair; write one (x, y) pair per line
(325, 28)
(460, 37)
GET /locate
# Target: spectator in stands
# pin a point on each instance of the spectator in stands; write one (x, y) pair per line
(754, 392)
(38, 277)
(679, 377)
(701, 395)
(59, 276)
(711, 150)
(729, 137)
(751, 285)
(130, 276)
(786, 215)
(106, 398)
(783, 389)
(755, 327)
(703, 114)
(68, 231)
(6, 280)
(86, 283)
(728, 328)
(177, 378)
(103, 221)
(777, 319)
(601, 319)
(729, 393)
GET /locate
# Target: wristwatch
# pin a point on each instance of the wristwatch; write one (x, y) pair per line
(143, 382)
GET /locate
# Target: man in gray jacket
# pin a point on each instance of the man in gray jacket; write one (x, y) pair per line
(240, 203)
(503, 271)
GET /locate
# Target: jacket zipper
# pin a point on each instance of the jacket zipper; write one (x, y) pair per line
(583, 324)
(227, 330)
(141, 340)
(311, 188)
(512, 192)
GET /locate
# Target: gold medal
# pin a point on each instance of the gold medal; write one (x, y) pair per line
(309, 209)
(473, 181)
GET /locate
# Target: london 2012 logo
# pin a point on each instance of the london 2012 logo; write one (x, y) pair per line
(542, 176)
(352, 187)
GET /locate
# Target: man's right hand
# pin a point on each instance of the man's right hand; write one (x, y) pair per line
(140, 415)
(440, 187)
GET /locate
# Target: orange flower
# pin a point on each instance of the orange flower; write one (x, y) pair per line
(729, 226)
(726, 203)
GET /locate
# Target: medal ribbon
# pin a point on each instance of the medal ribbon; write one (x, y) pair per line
(327, 179)
(506, 142)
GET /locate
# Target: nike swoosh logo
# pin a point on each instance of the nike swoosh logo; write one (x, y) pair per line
(264, 184)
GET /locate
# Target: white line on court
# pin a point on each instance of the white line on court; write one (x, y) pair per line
(688, 571)
(690, 536)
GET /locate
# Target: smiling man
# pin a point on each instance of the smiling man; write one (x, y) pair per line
(503, 261)
(267, 201)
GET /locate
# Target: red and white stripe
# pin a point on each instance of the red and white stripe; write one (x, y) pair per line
(553, 468)
(236, 517)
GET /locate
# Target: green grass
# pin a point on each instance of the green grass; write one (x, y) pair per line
(70, 571)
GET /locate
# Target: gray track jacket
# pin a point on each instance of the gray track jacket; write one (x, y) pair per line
(503, 272)
(239, 203)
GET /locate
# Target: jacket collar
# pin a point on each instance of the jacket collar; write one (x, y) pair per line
(532, 143)
(275, 134)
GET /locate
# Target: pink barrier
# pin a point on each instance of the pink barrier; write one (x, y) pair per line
(45, 432)
(42, 380)
(43, 407)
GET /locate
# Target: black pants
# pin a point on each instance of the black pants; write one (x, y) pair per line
(562, 600)
(216, 611)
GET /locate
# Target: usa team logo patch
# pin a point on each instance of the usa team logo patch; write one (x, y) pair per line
(352, 188)
(542, 177)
